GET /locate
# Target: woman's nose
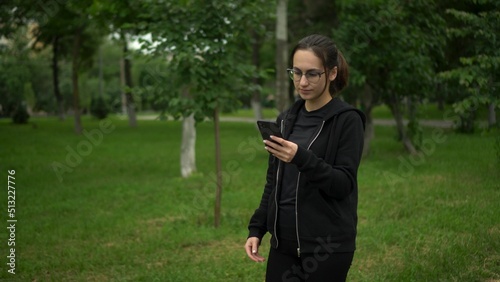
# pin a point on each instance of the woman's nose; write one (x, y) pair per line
(303, 80)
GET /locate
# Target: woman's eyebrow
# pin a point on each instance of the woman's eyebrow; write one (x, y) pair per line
(296, 68)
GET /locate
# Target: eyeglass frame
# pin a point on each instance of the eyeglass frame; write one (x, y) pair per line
(291, 73)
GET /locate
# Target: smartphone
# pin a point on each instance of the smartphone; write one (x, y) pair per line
(268, 128)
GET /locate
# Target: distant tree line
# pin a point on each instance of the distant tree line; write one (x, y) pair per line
(65, 56)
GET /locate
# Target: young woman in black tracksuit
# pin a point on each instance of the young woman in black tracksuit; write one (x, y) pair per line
(309, 204)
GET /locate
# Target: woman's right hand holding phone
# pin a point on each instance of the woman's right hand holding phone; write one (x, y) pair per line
(281, 148)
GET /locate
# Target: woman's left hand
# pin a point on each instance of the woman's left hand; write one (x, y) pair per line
(285, 152)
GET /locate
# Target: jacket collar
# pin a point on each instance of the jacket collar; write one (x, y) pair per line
(337, 106)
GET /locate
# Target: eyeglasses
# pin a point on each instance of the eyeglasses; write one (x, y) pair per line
(311, 76)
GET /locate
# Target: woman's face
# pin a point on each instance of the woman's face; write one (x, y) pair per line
(306, 62)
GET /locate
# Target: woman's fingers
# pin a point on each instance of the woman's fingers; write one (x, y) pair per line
(284, 150)
(252, 249)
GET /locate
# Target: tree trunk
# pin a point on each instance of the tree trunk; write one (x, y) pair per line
(467, 121)
(492, 116)
(257, 107)
(132, 119)
(122, 79)
(256, 97)
(395, 108)
(101, 82)
(55, 78)
(218, 192)
(440, 97)
(74, 77)
(282, 80)
(188, 146)
(412, 108)
(440, 103)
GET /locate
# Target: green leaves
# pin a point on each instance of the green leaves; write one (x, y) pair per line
(478, 72)
(391, 45)
(199, 44)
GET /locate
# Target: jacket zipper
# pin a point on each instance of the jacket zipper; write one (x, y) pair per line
(276, 189)
(276, 204)
(297, 194)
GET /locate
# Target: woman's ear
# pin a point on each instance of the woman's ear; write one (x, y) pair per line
(332, 74)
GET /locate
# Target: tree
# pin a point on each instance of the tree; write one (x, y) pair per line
(17, 96)
(63, 26)
(199, 42)
(13, 15)
(312, 16)
(54, 32)
(121, 18)
(260, 35)
(70, 23)
(282, 80)
(479, 72)
(81, 51)
(126, 72)
(391, 46)
(101, 85)
(18, 62)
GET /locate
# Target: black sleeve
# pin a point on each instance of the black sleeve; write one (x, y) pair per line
(336, 179)
(258, 222)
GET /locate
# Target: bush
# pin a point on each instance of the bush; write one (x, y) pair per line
(99, 108)
(21, 115)
(497, 143)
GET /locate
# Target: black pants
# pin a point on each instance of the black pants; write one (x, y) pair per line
(283, 265)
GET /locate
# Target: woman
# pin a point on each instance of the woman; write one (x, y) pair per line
(309, 204)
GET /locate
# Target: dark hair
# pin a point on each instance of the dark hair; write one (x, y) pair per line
(325, 49)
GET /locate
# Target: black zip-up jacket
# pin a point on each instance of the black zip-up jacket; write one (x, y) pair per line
(327, 190)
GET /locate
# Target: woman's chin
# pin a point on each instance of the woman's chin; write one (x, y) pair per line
(306, 95)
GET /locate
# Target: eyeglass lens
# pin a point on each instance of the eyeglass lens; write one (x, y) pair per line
(312, 77)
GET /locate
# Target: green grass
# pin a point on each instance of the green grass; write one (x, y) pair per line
(124, 214)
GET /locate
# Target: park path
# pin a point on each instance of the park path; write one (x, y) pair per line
(384, 122)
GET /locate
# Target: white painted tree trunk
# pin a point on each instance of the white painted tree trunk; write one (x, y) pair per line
(188, 153)
(257, 109)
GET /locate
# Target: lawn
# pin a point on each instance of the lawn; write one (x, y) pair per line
(110, 205)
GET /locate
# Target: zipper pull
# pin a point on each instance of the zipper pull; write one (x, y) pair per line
(298, 252)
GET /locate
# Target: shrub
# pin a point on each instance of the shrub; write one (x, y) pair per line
(21, 115)
(99, 108)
